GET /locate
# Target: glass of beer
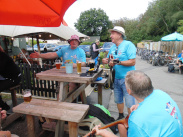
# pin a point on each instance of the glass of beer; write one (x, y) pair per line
(27, 95)
(78, 67)
(57, 63)
(91, 63)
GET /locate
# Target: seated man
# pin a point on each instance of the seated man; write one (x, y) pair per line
(5, 133)
(10, 75)
(156, 115)
(71, 52)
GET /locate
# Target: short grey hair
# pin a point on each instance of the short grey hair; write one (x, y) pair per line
(139, 83)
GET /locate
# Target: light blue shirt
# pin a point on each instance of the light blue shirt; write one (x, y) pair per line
(72, 54)
(181, 59)
(157, 116)
(126, 50)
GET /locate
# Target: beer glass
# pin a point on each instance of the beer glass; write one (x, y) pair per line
(78, 67)
(57, 63)
(91, 63)
(27, 95)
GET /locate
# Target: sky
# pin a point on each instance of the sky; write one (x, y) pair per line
(115, 9)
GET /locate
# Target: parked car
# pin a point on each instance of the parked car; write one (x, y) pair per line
(106, 46)
(59, 47)
(86, 48)
(48, 46)
(28, 47)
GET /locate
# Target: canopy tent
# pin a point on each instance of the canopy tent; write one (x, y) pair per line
(40, 13)
(173, 37)
(45, 33)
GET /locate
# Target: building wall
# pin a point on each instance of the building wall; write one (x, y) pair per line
(11, 49)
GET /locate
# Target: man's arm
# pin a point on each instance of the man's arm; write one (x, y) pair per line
(130, 62)
(49, 55)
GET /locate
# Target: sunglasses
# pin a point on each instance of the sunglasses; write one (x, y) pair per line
(116, 51)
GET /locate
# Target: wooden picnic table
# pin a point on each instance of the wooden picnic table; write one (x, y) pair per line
(61, 111)
(62, 77)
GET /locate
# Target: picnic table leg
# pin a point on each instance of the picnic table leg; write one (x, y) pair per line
(61, 95)
(59, 131)
(73, 129)
(83, 97)
(30, 126)
(100, 94)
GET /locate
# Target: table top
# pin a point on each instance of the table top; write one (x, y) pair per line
(61, 75)
(53, 109)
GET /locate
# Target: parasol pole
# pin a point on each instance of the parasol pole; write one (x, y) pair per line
(40, 60)
(24, 56)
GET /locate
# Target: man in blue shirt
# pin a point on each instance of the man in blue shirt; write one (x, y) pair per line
(72, 52)
(125, 52)
(155, 115)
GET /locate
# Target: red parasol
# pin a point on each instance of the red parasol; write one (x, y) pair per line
(40, 13)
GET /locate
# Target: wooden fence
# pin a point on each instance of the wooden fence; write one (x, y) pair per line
(40, 88)
(166, 46)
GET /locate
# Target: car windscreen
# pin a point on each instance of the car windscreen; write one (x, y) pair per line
(107, 45)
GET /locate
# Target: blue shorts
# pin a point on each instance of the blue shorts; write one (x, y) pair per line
(120, 92)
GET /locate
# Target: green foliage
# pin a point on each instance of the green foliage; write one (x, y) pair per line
(180, 28)
(86, 43)
(161, 18)
(94, 22)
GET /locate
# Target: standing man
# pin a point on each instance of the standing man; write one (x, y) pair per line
(71, 52)
(94, 49)
(124, 52)
(156, 115)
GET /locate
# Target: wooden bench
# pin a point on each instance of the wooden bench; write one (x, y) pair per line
(61, 111)
(11, 116)
(100, 84)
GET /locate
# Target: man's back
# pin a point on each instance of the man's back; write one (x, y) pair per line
(157, 116)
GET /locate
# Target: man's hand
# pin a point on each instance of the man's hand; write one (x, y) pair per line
(105, 60)
(35, 55)
(111, 63)
(134, 107)
(74, 65)
(3, 113)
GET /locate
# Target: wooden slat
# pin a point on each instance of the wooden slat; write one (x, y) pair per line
(33, 78)
(52, 109)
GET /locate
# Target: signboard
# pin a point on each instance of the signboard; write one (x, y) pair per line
(16, 42)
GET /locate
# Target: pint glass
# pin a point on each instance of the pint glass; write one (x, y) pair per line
(27, 95)
(57, 63)
(91, 63)
(79, 67)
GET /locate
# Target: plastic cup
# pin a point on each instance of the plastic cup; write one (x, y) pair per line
(69, 68)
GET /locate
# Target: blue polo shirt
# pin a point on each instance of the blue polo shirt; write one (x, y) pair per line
(126, 50)
(72, 54)
(157, 116)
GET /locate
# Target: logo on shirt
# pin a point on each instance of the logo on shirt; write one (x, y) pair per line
(171, 110)
(74, 56)
(119, 52)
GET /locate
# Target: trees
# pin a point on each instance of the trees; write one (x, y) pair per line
(162, 17)
(94, 22)
(180, 28)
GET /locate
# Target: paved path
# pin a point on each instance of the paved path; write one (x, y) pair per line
(172, 83)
